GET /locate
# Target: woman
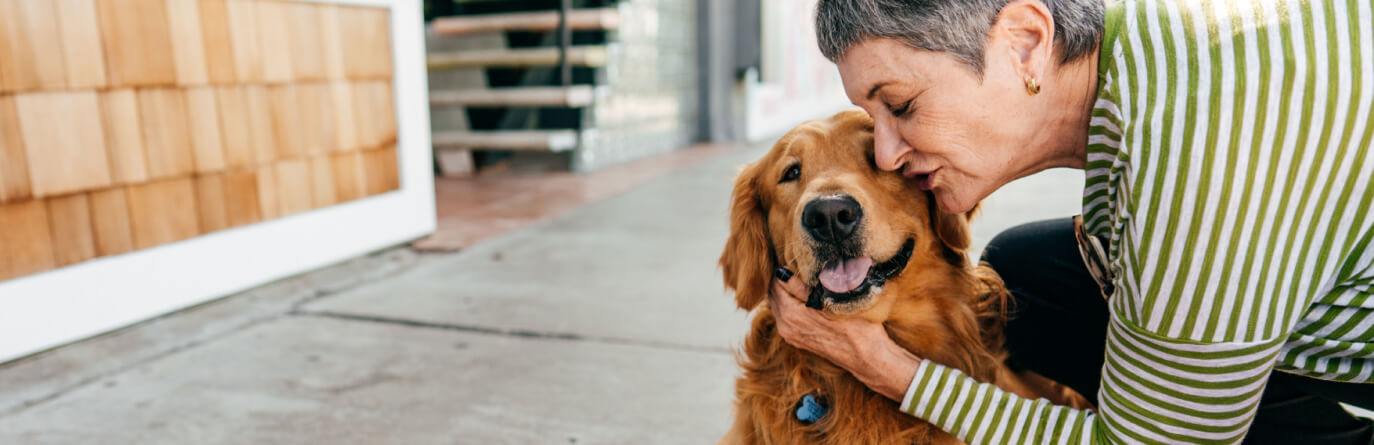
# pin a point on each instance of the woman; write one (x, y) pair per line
(1226, 214)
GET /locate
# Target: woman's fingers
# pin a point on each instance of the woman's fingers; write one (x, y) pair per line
(813, 330)
(791, 285)
(785, 311)
(857, 345)
(800, 326)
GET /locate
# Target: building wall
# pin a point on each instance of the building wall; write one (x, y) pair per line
(795, 82)
(158, 153)
(651, 107)
(142, 137)
(761, 71)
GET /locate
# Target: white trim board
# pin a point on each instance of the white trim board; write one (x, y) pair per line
(52, 308)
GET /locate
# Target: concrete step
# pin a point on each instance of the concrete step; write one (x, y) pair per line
(569, 96)
(533, 140)
(578, 19)
(581, 55)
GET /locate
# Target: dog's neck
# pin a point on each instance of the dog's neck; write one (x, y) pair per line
(946, 323)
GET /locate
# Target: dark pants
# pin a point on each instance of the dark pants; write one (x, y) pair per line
(1059, 329)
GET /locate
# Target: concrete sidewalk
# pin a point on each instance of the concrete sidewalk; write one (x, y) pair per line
(607, 325)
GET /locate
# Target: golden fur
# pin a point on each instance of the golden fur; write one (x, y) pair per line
(939, 306)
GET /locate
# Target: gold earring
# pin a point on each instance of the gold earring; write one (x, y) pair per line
(1032, 86)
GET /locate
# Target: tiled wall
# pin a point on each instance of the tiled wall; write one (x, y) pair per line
(127, 124)
(652, 73)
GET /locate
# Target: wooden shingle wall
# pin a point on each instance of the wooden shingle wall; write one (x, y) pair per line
(128, 124)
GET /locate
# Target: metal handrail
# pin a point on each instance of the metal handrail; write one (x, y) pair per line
(564, 41)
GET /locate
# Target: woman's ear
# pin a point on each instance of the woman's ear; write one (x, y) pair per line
(747, 261)
(953, 231)
(1025, 28)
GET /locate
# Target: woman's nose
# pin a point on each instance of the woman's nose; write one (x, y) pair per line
(889, 150)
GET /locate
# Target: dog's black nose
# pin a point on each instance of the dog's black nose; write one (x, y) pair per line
(832, 219)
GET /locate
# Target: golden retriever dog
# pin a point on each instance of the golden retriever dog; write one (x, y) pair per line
(870, 244)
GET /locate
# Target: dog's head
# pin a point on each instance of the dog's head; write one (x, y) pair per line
(817, 205)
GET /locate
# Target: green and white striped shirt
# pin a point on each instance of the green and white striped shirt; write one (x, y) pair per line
(1229, 166)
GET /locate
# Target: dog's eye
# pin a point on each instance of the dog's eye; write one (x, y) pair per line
(793, 172)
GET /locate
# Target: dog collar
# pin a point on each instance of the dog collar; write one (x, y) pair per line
(816, 300)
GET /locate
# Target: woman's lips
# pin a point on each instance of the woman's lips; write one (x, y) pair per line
(924, 180)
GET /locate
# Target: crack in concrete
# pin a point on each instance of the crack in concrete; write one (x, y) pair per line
(505, 332)
(273, 301)
(96, 377)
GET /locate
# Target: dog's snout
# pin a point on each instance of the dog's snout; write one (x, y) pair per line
(832, 219)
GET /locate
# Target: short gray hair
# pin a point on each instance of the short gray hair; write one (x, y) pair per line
(957, 27)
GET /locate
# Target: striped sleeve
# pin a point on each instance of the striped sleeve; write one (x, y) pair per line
(985, 414)
(1229, 169)
(1155, 390)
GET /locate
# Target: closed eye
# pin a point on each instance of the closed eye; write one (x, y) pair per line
(792, 174)
(899, 110)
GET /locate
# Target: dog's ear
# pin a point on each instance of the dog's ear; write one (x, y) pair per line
(747, 261)
(953, 231)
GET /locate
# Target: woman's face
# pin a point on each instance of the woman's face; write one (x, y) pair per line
(938, 123)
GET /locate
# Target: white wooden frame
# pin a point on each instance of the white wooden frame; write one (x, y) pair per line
(48, 309)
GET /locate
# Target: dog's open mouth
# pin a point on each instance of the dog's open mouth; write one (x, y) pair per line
(850, 279)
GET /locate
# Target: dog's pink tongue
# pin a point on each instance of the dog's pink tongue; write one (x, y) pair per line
(846, 275)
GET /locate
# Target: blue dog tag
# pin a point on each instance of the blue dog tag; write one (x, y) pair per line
(810, 410)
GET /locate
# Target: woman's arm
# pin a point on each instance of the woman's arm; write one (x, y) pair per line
(1155, 390)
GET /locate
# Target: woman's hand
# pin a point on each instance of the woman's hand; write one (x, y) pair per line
(859, 346)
